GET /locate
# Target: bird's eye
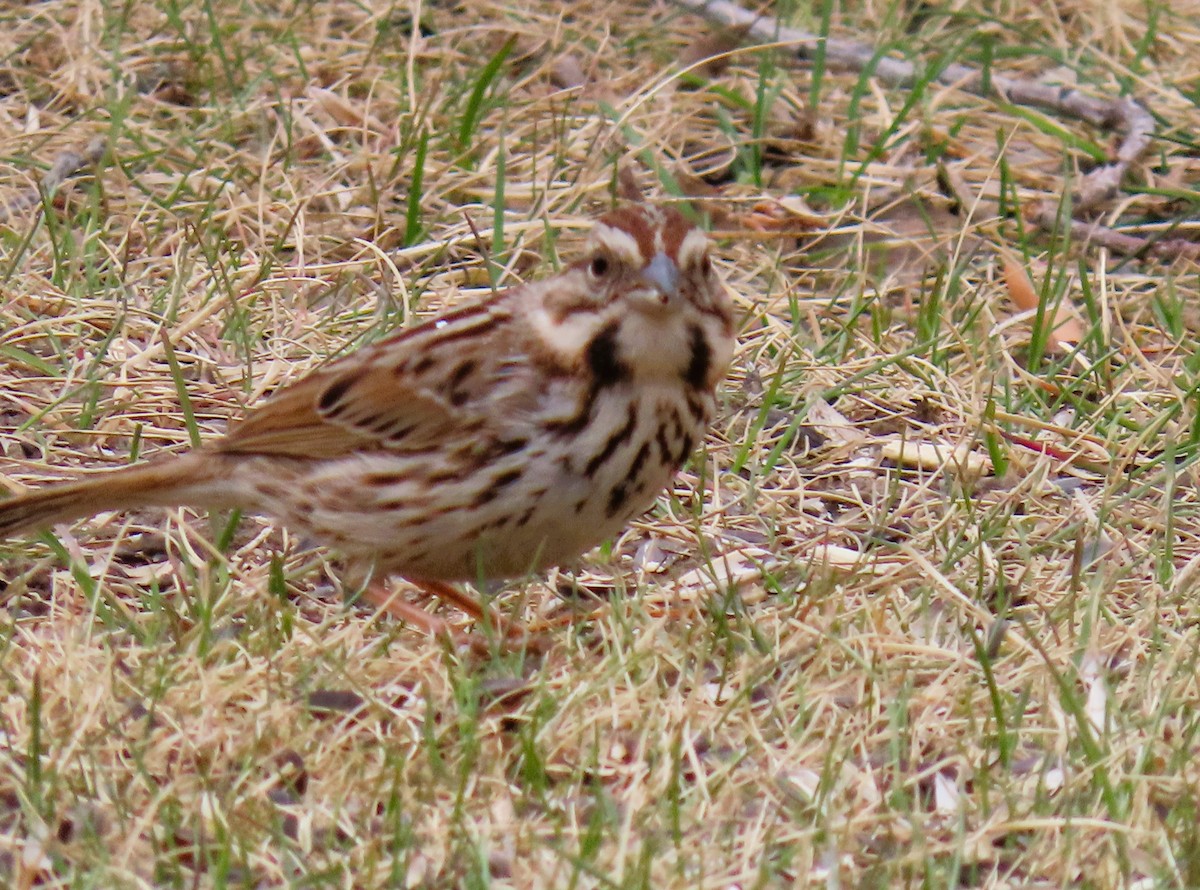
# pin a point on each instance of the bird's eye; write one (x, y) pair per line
(705, 265)
(599, 267)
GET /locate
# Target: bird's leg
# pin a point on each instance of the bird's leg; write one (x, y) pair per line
(378, 595)
(478, 610)
(464, 602)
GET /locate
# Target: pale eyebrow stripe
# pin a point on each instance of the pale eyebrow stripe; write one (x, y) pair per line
(621, 243)
(692, 247)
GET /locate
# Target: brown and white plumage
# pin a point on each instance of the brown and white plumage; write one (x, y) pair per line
(495, 439)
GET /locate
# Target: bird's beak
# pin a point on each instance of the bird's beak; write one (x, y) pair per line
(662, 275)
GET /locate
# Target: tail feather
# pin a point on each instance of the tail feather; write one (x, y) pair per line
(166, 483)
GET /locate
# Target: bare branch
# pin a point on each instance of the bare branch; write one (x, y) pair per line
(66, 165)
(1124, 116)
(1117, 241)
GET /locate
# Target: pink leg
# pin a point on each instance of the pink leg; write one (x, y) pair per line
(395, 605)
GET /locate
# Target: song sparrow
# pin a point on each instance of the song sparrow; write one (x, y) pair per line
(496, 439)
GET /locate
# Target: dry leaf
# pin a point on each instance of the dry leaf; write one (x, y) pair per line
(1068, 332)
(1092, 676)
(789, 216)
(729, 570)
(566, 72)
(935, 456)
(711, 50)
(833, 556)
(946, 798)
(344, 112)
(832, 424)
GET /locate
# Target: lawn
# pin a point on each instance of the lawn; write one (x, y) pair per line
(920, 612)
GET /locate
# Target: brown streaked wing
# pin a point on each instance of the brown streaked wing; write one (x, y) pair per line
(391, 396)
(290, 423)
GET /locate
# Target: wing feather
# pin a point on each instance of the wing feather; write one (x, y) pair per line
(417, 389)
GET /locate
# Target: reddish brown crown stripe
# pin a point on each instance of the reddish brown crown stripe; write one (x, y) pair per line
(673, 233)
(636, 222)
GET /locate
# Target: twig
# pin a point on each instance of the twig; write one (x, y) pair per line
(66, 165)
(1124, 116)
(1117, 241)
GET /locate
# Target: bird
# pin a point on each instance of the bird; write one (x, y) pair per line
(494, 440)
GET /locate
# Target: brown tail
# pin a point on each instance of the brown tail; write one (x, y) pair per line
(183, 480)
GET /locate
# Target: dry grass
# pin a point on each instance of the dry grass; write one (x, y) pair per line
(907, 674)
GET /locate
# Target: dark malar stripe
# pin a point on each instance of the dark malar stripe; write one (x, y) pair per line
(602, 359)
(607, 370)
(696, 375)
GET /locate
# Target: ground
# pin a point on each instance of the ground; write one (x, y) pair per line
(919, 612)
